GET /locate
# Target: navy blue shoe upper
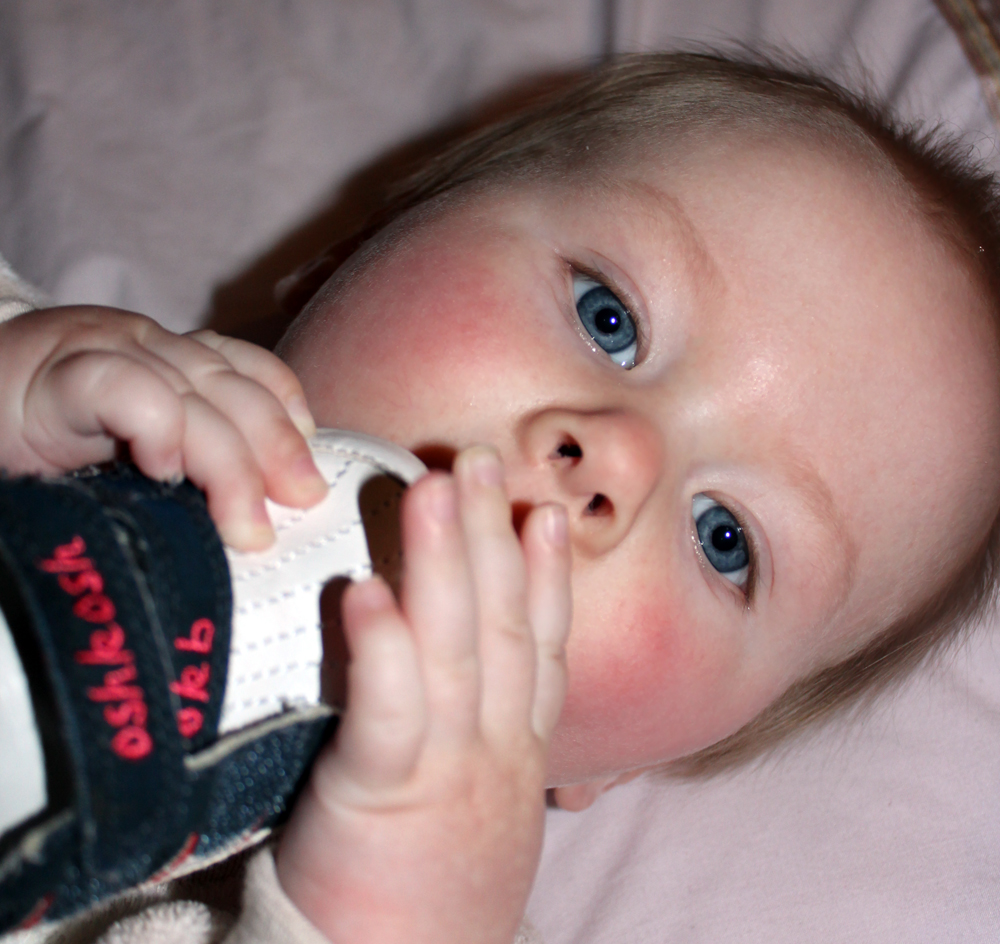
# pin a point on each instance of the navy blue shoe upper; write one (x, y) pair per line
(117, 592)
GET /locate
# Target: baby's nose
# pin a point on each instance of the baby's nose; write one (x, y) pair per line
(601, 465)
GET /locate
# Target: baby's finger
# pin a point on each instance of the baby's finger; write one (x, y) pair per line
(78, 408)
(546, 552)
(241, 392)
(439, 603)
(280, 452)
(507, 649)
(219, 461)
(268, 370)
(381, 734)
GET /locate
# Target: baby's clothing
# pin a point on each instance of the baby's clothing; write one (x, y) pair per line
(158, 917)
(16, 295)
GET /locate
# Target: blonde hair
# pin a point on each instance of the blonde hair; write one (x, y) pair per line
(597, 119)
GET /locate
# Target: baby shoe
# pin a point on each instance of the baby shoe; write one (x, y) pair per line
(166, 695)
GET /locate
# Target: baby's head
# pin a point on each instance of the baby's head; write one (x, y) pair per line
(748, 336)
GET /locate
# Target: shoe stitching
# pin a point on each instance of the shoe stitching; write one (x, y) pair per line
(273, 670)
(288, 557)
(275, 599)
(356, 572)
(270, 678)
(297, 516)
(261, 642)
(350, 453)
(283, 700)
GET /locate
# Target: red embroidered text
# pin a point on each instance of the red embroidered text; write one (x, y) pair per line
(121, 692)
(193, 683)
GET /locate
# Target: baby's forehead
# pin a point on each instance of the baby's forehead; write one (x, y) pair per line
(828, 263)
(858, 334)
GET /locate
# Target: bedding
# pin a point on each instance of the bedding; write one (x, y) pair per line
(178, 158)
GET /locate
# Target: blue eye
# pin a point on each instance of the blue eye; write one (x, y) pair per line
(606, 320)
(721, 539)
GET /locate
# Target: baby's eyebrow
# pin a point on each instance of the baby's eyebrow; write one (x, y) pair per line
(697, 258)
(805, 478)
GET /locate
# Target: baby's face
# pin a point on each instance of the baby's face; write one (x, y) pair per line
(806, 444)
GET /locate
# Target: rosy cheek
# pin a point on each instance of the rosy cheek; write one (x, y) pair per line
(426, 350)
(443, 327)
(644, 692)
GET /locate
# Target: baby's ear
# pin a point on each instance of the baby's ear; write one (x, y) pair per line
(578, 796)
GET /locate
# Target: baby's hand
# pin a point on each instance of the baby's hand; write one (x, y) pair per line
(77, 382)
(423, 821)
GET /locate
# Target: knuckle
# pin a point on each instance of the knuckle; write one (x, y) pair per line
(516, 632)
(206, 336)
(552, 651)
(145, 328)
(287, 442)
(213, 355)
(282, 376)
(278, 444)
(209, 364)
(159, 416)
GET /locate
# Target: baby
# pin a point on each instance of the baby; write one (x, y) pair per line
(686, 296)
(732, 344)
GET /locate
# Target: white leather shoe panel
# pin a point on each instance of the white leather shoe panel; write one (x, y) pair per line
(276, 649)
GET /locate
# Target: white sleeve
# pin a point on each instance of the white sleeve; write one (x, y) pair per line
(170, 922)
(16, 295)
(268, 914)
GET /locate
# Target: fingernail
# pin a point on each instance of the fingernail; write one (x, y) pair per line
(486, 467)
(259, 531)
(374, 594)
(556, 526)
(305, 470)
(252, 535)
(301, 416)
(174, 473)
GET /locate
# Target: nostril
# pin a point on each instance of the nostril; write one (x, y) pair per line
(599, 505)
(569, 450)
